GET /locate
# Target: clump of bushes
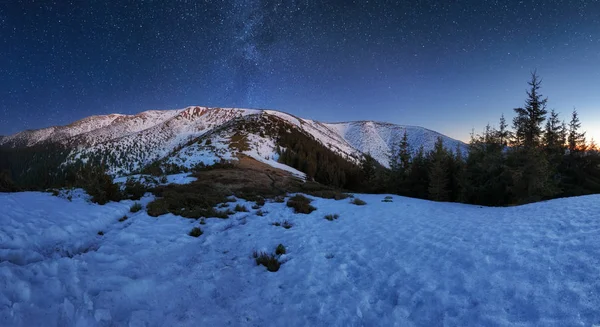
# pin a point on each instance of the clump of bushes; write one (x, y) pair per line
(332, 217)
(99, 185)
(358, 202)
(135, 207)
(157, 208)
(270, 260)
(387, 199)
(134, 189)
(122, 219)
(240, 208)
(189, 201)
(301, 204)
(195, 232)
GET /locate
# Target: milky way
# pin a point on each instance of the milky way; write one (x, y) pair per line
(445, 65)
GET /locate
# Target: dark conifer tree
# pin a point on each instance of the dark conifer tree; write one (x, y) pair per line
(528, 122)
(504, 133)
(418, 175)
(438, 173)
(552, 138)
(399, 166)
(575, 139)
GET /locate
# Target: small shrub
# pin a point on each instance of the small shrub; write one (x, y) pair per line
(386, 200)
(332, 217)
(55, 192)
(260, 213)
(195, 232)
(134, 189)
(163, 179)
(279, 199)
(280, 249)
(202, 221)
(240, 208)
(135, 207)
(122, 219)
(301, 204)
(100, 233)
(358, 202)
(255, 206)
(157, 208)
(268, 260)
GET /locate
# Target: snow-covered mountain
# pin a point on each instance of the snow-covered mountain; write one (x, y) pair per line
(129, 142)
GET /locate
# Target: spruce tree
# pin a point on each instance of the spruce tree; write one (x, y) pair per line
(399, 166)
(552, 138)
(418, 175)
(528, 122)
(503, 133)
(438, 173)
(576, 140)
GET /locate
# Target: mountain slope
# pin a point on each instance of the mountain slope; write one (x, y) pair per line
(129, 142)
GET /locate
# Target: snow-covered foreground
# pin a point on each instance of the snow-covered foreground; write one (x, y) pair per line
(405, 263)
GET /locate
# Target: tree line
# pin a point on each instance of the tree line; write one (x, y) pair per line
(540, 158)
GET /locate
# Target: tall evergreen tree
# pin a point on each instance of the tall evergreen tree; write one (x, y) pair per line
(438, 173)
(504, 133)
(399, 166)
(576, 139)
(528, 122)
(552, 138)
(417, 180)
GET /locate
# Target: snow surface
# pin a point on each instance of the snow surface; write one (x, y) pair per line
(406, 263)
(149, 180)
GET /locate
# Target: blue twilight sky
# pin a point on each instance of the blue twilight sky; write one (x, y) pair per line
(450, 66)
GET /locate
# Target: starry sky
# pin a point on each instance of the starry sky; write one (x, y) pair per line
(450, 66)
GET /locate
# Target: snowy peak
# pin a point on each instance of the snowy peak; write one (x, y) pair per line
(129, 142)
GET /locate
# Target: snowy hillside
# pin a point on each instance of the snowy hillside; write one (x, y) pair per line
(378, 139)
(129, 142)
(403, 263)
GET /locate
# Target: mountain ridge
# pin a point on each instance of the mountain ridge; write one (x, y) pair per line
(133, 141)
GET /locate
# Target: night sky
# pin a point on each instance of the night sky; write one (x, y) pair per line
(446, 65)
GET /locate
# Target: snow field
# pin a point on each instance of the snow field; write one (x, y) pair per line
(405, 263)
